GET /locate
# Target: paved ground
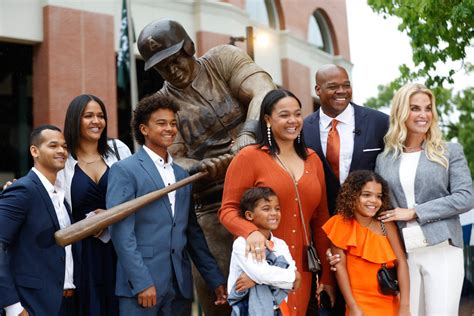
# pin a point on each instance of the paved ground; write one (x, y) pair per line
(467, 305)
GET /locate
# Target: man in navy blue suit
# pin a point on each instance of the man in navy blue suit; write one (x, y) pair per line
(360, 136)
(361, 130)
(154, 245)
(37, 277)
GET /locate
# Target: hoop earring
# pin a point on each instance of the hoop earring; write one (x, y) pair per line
(269, 135)
(299, 138)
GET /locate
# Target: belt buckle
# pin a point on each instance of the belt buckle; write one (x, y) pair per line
(68, 293)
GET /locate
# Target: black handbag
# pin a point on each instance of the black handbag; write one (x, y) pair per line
(387, 277)
(388, 283)
(314, 264)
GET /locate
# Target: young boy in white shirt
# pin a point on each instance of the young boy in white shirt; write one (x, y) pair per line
(260, 288)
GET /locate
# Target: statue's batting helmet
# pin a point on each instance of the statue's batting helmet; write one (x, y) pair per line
(161, 39)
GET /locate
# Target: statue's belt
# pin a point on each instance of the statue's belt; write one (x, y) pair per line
(204, 209)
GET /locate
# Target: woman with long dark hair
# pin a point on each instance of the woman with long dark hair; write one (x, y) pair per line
(91, 154)
(281, 161)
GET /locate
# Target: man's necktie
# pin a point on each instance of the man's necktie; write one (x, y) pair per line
(333, 148)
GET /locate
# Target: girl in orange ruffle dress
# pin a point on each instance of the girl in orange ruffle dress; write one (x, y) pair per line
(358, 238)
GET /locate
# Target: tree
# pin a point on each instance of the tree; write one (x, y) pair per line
(440, 31)
(463, 102)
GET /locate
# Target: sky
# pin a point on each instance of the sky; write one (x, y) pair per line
(377, 49)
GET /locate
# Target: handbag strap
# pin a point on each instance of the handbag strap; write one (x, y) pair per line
(116, 152)
(295, 184)
(384, 231)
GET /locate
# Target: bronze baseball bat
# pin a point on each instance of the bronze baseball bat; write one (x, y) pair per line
(102, 220)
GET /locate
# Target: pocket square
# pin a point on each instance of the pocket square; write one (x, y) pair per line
(371, 149)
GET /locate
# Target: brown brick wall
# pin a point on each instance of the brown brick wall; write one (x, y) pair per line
(76, 56)
(296, 15)
(208, 40)
(296, 78)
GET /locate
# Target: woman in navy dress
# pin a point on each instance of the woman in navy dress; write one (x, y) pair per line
(85, 182)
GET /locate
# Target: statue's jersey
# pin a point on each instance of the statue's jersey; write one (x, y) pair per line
(210, 112)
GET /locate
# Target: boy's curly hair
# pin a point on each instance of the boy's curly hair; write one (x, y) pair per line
(145, 108)
(352, 188)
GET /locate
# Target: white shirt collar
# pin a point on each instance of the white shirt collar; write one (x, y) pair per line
(50, 188)
(157, 159)
(346, 117)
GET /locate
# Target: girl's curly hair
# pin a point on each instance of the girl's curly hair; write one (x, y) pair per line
(346, 202)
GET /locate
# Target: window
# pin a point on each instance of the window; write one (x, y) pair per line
(319, 33)
(263, 11)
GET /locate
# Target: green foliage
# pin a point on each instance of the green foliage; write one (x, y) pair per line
(463, 102)
(440, 31)
(385, 95)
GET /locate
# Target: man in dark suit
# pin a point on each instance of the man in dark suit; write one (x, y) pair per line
(361, 130)
(155, 244)
(345, 136)
(37, 277)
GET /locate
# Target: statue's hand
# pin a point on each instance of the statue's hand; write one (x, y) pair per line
(221, 295)
(216, 167)
(242, 141)
(7, 184)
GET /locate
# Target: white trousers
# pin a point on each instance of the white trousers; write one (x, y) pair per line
(436, 278)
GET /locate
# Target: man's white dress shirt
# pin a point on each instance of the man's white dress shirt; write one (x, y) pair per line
(165, 168)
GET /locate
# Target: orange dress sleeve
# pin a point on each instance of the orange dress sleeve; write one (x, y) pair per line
(239, 177)
(359, 241)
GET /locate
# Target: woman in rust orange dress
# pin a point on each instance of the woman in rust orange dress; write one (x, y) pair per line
(278, 161)
(364, 244)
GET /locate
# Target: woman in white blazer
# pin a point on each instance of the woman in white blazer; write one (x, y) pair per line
(430, 185)
(85, 178)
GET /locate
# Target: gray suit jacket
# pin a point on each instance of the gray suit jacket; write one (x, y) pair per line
(440, 194)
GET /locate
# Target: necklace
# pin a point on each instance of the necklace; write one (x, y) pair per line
(412, 149)
(90, 162)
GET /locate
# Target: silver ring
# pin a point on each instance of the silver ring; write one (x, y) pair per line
(257, 248)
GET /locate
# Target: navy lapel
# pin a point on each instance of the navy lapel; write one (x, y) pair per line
(46, 198)
(359, 134)
(150, 168)
(318, 148)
